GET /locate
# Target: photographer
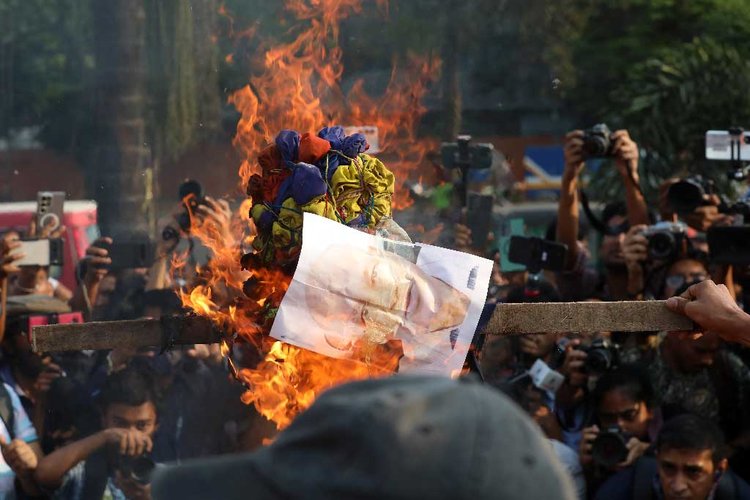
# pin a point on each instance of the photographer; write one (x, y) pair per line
(101, 465)
(7, 268)
(692, 374)
(690, 463)
(36, 279)
(531, 347)
(625, 153)
(651, 275)
(625, 422)
(94, 268)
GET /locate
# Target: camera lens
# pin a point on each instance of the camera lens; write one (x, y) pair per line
(598, 360)
(141, 469)
(596, 145)
(662, 245)
(609, 448)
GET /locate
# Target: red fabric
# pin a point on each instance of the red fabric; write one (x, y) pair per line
(312, 148)
(269, 160)
(271, 184)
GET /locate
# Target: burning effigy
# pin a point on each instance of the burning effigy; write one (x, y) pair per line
(319, 171)
(328, 174)
(358, 300)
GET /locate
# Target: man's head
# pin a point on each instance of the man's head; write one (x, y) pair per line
(624, 398)
(128, 401)
(681, 274)
(690, 353)
(615, 220)
(378, 293)
(397, 437)
(690, 457)
(543, 345)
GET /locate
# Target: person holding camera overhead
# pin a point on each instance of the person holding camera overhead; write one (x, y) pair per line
(580, 146)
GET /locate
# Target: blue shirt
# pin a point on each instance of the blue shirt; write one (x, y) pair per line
(22, 429)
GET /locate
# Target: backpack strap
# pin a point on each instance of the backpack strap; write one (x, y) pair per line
(7, 415)
(643, 478)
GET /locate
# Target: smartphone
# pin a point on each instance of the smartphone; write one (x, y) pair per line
(537, 254)
(479, 217)
(50, 206)
(40, 252)
(132, 255)
(515, 227)
(724, 145)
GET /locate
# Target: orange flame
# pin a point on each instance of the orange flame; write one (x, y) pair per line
(299, 88)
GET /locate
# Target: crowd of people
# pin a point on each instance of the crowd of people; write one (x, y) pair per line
(626, 397)
(636, 415)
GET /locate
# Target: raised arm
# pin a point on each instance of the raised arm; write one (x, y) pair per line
(567, 209)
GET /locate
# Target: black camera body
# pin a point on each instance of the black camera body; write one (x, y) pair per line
(665, 240)
(463, 154)
(597, 142)
(140, 469)
(610, 447)
(602, 355)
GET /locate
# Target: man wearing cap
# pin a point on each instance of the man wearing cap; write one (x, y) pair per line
(398, 437)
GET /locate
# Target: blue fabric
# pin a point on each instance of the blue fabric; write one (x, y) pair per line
(23, 429)
(73, 483)
(618, 486)
(350, 146)
(353, 145)
(335, 135)
(307, 183)
(287, 142)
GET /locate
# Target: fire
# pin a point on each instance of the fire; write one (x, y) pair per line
(299, 88)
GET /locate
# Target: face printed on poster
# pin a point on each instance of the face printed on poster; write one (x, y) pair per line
(351, 286)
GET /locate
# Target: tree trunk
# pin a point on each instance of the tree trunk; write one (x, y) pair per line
(452, 105)
(120, 169)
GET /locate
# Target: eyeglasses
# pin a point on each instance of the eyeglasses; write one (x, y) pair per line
(625, 415)
(675, 281)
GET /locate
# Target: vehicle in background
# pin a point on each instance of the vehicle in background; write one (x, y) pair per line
(80, 220)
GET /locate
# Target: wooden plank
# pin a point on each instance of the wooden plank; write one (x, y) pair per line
(507, 319)
(585, 317)
(122, 334)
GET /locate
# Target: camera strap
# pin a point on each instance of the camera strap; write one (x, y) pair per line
(595, 221)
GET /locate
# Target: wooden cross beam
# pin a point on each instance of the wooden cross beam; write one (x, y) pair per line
(508, 319)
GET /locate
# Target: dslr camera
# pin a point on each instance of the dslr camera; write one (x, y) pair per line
(140, 469)
(597, 142)
(665, 240)
(610, 447)
(602, 355)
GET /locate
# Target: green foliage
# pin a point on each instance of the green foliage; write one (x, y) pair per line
(673, 100)
(667, 70)
(46, 62)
